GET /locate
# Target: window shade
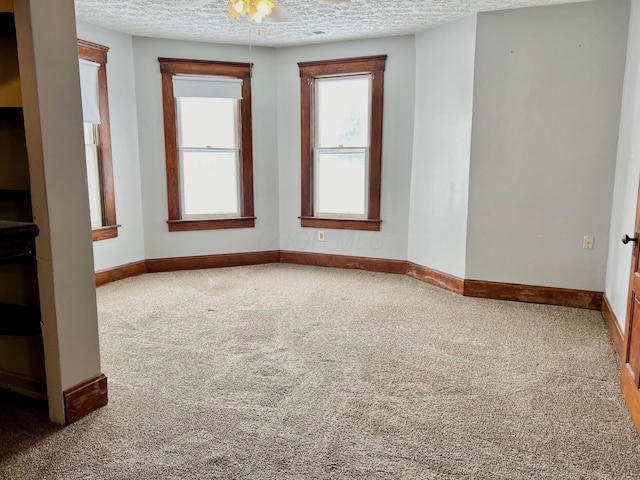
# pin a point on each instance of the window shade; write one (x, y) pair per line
(217, 87)
(89, 91)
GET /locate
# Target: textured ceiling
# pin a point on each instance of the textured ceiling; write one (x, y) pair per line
(294, 21)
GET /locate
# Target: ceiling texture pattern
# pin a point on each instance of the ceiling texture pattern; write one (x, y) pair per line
(294, 22)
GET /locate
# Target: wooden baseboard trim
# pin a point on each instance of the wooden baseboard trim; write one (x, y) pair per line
(344, 261)
(631, 395)
(211, 261)
(84, 398)
(470, 288)
(533, 294)
(610, 320)
(119, 273)
(435, 277)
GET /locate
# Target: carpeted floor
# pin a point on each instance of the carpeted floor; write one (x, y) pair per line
(282, 371)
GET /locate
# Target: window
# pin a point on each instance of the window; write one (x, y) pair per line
(341, 114)
(97, 139)
(207, 120)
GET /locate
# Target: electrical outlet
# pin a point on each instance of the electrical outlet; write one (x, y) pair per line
(587, 242)
(321, 236)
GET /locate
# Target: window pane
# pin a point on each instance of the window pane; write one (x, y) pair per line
(207, 122)
(93, 175)
(340, 182)
(342, 107)
(210, 183)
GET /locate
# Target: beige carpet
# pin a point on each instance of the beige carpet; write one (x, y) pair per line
(282, 371)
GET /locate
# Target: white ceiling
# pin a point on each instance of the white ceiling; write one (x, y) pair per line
(294, 21)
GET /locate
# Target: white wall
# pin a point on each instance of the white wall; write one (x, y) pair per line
(545, 108)
(128, 246)
(441, 146)
(627, 175)
(159, 242)
(545, 126)
(397, 145)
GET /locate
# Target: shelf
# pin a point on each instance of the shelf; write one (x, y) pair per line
(11, 113)
(17, 241)
(13, 194)
(19, 320)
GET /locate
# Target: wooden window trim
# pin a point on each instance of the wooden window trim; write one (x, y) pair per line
(341, 223)
(102, 233)
(309, 72)
(211, 224)
(109, 229)
(176, 66)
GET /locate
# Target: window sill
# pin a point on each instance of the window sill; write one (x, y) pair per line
(341, 223)
(102, 233)
(212, 224)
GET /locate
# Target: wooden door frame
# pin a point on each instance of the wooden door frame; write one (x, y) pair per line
(630, 384)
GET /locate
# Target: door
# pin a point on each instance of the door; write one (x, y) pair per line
(630, 376)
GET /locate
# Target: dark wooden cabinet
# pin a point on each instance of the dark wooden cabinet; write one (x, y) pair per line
(21, 345)
(17, 241)
(17, 246)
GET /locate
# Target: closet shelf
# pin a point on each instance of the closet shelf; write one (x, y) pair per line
(17, 241)
(10, 113)
(14, 194)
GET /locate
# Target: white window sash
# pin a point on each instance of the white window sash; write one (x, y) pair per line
(370, 102)
(208, 216)
(316, 177)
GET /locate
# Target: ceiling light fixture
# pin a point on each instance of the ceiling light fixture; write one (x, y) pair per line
(255, 10)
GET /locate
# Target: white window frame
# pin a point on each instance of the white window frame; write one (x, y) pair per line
(181, 149)
(341, 149)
